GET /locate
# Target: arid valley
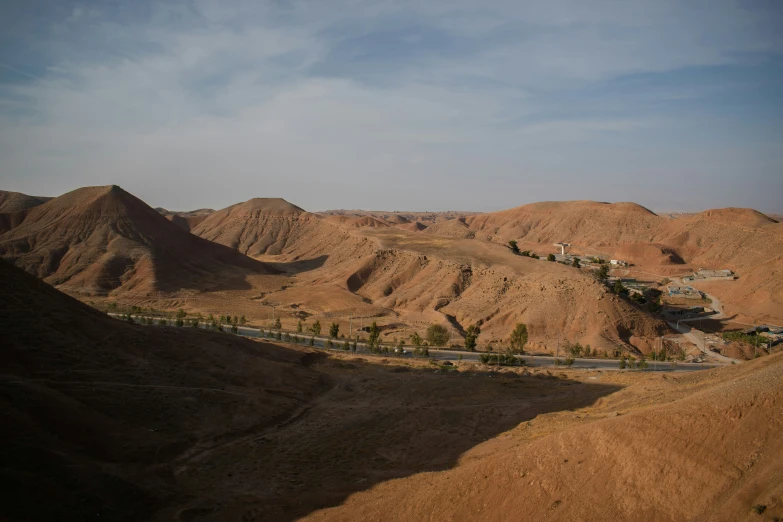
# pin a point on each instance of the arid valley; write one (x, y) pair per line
(137, 415)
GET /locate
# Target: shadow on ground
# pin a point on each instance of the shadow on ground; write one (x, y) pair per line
(378, 421)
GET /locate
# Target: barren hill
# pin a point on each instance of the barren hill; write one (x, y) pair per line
(94, 408)
(15, 201)
(186, 220)
(587, 222)
(99, 239)
(284, 232)
(703, 447)
(742, 240)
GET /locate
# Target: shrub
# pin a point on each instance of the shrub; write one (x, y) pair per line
(162, 322)
(278, 325)
(299, 326)
(312, 341)
(622, 364)
(416, 339)
(470, 337)
(181, 314)
(603, 272)
(575, 263)
(334, 330)
(759, 509)
(179, 323)
(513, 245)
(279, 336)
(375, 333)
(569, 361)
(550, 257)
(316, 328)
(519, 338)
(437, 335)
(242, 320)
(234, 329)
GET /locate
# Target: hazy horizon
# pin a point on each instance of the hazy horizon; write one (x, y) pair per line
(396, 105)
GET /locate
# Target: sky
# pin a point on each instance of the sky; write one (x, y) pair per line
(395, 104)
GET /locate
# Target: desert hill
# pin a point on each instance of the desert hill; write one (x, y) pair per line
(94, 408)
(359, 265)
(99, 239)
(16, 201)
(186, 220)
(281, 231)
(743, 240)
(674, 448)
(577, 222)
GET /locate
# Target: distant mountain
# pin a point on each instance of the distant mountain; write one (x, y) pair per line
(15, 201)
(100, 239)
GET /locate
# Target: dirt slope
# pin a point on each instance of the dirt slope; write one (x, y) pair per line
(358, 265)
(99, 239)
(97, 413)
(15, 201)
(186, 220)
(703, 447)
(742, 240)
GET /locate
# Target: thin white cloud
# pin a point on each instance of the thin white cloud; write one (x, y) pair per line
(259, 95)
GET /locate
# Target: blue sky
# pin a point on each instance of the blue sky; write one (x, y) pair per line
(677, 105)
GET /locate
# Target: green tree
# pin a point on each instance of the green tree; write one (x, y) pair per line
(299, 326)
(550, 257)
(181, 314)
(470, 337)
(437, 335)
(242, 320)
(375, 333)
(334, 330)
(526, 253)
(400, 346)
(513, 245)
(575, 263)
(278, 325)
(416, 339)
(618, 288)
(622, 364)
(316, 328)
(234, 329)
(519, 338)
(603, 272)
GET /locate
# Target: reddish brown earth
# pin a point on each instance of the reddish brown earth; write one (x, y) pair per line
(109, 420)
(186, 220)
(100, 239)
(16, 201)
(743, 240)
(695, 447)
(342, 264)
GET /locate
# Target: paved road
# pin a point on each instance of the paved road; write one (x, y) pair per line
(530, 360)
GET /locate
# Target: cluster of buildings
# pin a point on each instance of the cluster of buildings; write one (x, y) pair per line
(726, 275)
(686, 292)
